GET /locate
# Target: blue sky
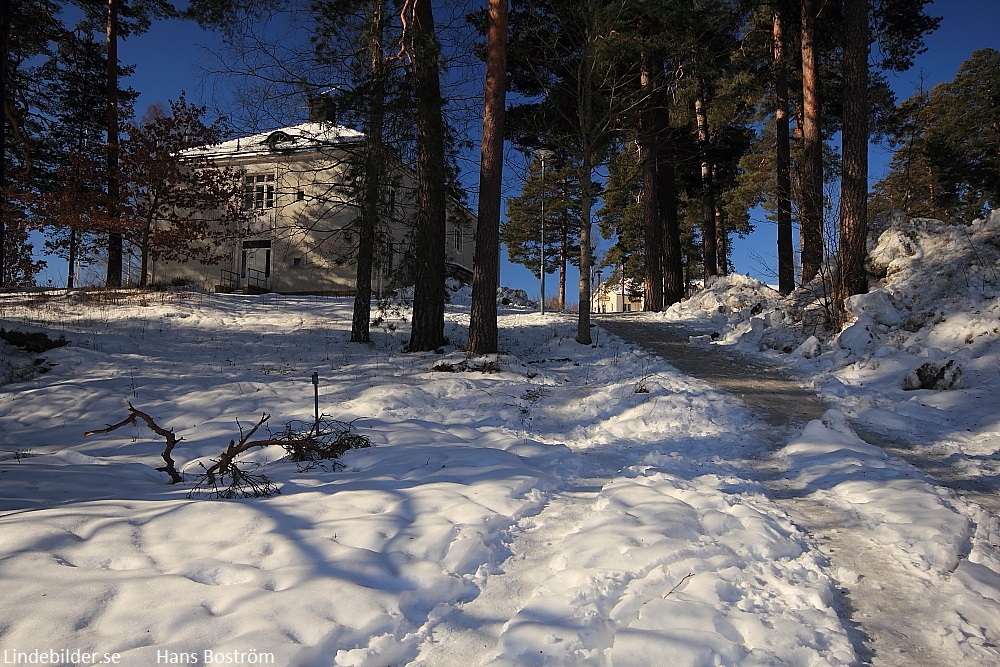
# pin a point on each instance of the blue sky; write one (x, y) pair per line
(173, 56)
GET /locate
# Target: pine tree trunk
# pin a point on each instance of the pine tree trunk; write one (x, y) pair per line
(708, 238)
(811, 172)
(783, 185)
(586, 206)
(427, 332)
(586, 210)
(854, 179)
(563, 261)
(652, 227)
(115, 241)
(673, 256)
(71, 273)
(147, 230)
(721, 240)
(585, 106)
(486, 265)
(372, 174)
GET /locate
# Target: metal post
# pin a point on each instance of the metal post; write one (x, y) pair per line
(315, 380)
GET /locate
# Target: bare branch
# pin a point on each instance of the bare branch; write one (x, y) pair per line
(169, 436)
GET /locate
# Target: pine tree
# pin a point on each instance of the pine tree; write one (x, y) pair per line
(29, 30)
(965, 142)
(522, 231)
(650, 78)
(782, 195)
(572, 58)
(74, 199)
(118, 20)
(350, 35)
(811, 169)
(947, 159)
(6, 24)
(854, 179)
(623, 218)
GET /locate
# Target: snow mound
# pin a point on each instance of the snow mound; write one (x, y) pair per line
(507, 296)
(727, 298)
(934, 298)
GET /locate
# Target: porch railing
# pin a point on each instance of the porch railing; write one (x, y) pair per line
(229, 281)
(256, 280)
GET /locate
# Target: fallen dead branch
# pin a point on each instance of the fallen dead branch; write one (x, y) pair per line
(241, 483)
(171, 439)
(228, 477)
(324, 441)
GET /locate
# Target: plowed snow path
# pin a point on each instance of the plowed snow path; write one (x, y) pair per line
(881, 593)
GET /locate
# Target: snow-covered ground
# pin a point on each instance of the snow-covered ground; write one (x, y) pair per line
(552, 505)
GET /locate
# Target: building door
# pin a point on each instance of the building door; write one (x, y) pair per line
(256, 265)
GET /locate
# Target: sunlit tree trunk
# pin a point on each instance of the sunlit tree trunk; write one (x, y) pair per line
(811, 171)
(486, 264)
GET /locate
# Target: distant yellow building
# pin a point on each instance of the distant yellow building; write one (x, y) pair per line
(614, 297)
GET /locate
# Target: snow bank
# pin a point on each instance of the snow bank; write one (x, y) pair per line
(916, 367)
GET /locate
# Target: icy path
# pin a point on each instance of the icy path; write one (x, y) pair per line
(888, 603)
(882, 595)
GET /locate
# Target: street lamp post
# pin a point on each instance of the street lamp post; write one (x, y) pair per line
(542, 154)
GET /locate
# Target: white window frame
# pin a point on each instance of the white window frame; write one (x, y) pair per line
(258, 192)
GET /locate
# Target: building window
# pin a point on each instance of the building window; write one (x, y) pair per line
(458, 238)
(258, 192)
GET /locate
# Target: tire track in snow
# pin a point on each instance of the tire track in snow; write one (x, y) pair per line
(469, 634)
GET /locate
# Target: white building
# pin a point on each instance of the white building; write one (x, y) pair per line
(301, 238)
